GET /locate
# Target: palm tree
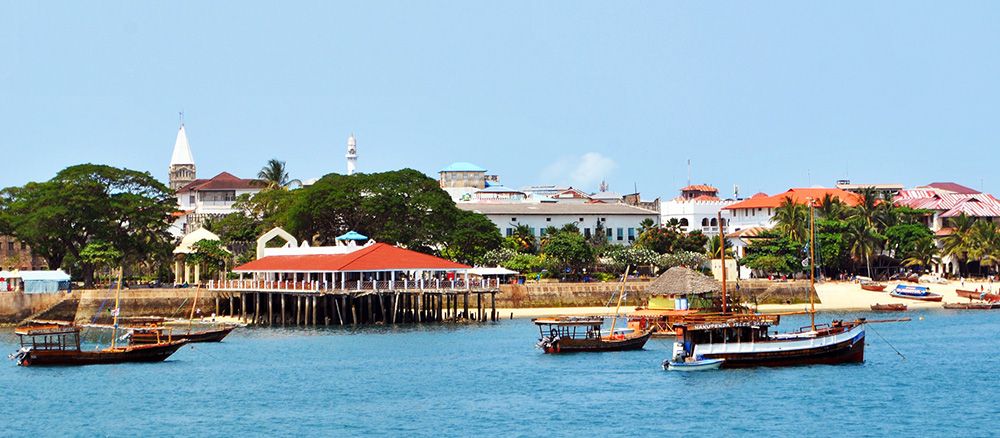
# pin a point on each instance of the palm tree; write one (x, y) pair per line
(958, 243)
(647, 224)
(831, 207)
(274, 175)
(923, 254)
(547, 234)
(984, 243)
(862, 242)
(525, 238)
(792, 220)
(713, 247)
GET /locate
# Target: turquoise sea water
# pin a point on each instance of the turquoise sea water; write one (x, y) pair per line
(489, 380)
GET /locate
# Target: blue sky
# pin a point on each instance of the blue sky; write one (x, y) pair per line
(766, 95)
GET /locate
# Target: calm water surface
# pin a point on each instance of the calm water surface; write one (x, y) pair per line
(489, 380)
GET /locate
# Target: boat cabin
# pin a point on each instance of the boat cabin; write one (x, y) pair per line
(570, 327)
(49, 337)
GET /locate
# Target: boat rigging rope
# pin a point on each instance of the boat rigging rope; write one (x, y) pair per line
(886, 341)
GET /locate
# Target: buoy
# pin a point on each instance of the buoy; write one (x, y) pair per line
(921, 318)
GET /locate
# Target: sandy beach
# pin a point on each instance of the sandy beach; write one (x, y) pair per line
(835, 296)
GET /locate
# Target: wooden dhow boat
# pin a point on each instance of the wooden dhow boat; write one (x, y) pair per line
(573, 334)
(60, 345)
(153, 335)
(919, 293)
(972, 306)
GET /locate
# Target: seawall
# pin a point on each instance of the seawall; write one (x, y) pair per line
(15, 306)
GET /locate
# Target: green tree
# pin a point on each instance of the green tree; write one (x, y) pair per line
(85, 203)
(274, 175)
(524, 236)
(100, 254)
(210, 254)
(648, 224)
(235, 227)
(770, 264)
(471, 237)
(792, 220)
(569, 251)
(524, 263)
(959, 242)
(923, 253)
(862, 242)
(713, 247)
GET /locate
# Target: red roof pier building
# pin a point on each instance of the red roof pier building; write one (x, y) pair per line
(356, 281)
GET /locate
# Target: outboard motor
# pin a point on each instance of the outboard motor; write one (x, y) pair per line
(679, 353)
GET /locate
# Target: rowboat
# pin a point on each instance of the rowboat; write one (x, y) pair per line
(572, 334)
(978, 295)
(919, 293)
(693, 365)
(896, 307)
(972, 306)
(872, 286)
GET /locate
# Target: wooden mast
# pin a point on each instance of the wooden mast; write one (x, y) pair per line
(722, 256)
(114, 323)
(812, 266)
(621, 292)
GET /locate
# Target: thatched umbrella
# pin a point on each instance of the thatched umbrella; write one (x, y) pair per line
(681, 281)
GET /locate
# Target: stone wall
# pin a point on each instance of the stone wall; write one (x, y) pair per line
(15, 306)
(764, 291)
(95, 305)
(567, 294)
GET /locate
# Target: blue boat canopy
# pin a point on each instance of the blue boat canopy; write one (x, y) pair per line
(352, 235)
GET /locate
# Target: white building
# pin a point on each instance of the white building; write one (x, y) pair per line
(697, 208)
(759, 209)
(621, 222)
(199, 199)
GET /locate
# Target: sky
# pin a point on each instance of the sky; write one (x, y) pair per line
(761, 95)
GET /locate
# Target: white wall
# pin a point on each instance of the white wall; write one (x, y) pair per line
(695, 212)
(540, 222)
(744, 218)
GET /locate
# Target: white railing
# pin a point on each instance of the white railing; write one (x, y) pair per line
(354, 286)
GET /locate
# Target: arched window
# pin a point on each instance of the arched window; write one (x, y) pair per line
(704, 222)
(684, 222)
(714, 223)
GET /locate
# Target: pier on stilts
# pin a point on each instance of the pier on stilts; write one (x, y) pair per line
(308, 303)
(354, 283)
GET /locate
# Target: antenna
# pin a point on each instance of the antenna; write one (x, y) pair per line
(689, 171)
(180, 114)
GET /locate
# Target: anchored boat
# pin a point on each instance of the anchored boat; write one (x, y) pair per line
(978, 295)
(572, 334)
(894, 307)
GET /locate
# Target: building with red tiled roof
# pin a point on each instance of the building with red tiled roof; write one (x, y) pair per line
(696, 209)
(758, 211)
(201, 199)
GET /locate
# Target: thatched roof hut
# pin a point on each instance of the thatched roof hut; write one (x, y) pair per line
(681, 281)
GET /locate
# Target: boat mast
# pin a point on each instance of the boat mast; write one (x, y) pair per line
(614, 319)
(114, 323)
(722, 256)
(812, 266)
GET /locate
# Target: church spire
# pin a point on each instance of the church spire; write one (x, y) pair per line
(182, 150)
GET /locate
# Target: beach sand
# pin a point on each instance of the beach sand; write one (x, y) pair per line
(835, 296)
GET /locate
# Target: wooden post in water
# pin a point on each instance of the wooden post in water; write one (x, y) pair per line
(256, 308)
(493, 306)
(270, 309)
(217, 312)
(314, 310)
(232, 306)
(243, 306)
(283, 313)
(465, 305)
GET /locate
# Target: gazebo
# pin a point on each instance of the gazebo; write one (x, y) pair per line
(677, 283)
(186, 248)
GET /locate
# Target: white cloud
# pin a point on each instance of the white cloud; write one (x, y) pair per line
(583, 172)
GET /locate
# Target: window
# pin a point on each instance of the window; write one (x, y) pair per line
(609, 233)
(621, 234)
(541, 232)
(23, 246)
(586, 232)
(191, 199)
(510, 232)
(532, 231)
(513, 219)
(684, 222)
(704, 222)
(631, 234)
(548, 219)
(713, 222)
(581, 220)
(603, 219)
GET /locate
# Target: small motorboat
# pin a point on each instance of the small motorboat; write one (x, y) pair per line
(693, 365)
(919, 293)
(896, 307)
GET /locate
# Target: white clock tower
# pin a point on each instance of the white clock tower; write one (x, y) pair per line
(352, 154)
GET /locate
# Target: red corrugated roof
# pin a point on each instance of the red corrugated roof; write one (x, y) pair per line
(951, 204)
(953, 187)
(798, 196)
(377, 257)
(222, 181)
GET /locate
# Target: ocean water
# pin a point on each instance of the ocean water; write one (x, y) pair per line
(489, 380)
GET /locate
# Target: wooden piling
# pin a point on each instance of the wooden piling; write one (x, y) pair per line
(256, 308)
(243, 306)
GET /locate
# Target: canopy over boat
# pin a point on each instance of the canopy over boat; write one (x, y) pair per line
(570, 321)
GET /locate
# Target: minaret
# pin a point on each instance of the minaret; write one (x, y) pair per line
(182, 170)
(352, 154)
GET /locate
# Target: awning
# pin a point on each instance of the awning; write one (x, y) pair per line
(481, 271)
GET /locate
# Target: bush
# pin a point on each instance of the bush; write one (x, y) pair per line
(691, 259)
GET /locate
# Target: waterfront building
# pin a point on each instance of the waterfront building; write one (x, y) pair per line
(759, 209)
(945, 201)
(697, 208)
(620, 222)
(17, 255)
